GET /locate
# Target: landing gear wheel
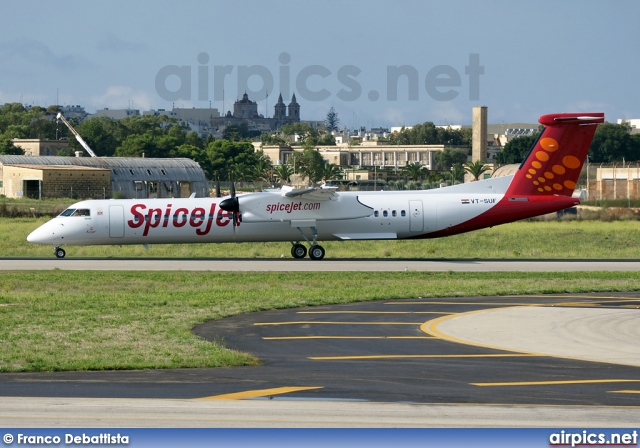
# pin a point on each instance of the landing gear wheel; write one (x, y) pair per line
(298, 251)
(316, 252)
(60, 253)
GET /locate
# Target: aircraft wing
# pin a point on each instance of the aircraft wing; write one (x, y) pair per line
(312, 194)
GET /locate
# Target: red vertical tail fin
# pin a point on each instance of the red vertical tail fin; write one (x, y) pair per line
(554, 163)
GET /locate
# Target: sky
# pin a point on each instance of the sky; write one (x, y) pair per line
(376, 62)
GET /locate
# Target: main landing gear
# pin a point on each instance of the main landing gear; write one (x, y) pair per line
(59, 252)
(316, 252)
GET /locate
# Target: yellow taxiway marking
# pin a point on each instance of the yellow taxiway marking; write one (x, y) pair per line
(257, 393)
(431, 328)
(593, 302)
(283, 338)
(311, 322)
(552, 383)
(339, 358)
(555, 296)
(624, 391)
(471, 303)
(374, 312)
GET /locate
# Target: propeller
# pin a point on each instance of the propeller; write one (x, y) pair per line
(231, 204)
(218, 195)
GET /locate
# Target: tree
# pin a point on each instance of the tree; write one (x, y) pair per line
(242, 172)
(223, 155)
(613, 143)
(7, 147)
(516, 150)
(457, 173)
(330, 171)
(332, 121)
(476, 169)
(303, 130)
(194, 139)
(327, 140)
(272, 139)
(310, 164)
(189, 151)
(428, 134)
(414, 171)
(445, 159)
(237, 133)
(138, 145)
(262, 169)
(102, 134)
(283, 172)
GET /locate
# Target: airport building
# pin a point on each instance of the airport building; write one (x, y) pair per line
(100, 177)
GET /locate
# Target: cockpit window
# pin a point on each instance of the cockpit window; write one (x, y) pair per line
(68, 212)
(76, 212)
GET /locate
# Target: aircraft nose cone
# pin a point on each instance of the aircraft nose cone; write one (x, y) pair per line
(34, 237)
(40, 236)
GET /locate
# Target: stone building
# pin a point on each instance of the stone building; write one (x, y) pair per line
(37, 147)
(100, 177)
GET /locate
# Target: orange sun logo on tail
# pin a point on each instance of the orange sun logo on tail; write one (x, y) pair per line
(554, 163)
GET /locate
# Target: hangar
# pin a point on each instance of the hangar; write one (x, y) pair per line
(100, 177)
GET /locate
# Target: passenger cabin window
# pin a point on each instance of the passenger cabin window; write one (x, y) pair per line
(403, 213)
(376, 213)
(393, 213)
(385, 213)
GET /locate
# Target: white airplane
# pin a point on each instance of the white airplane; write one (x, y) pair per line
(544, 183)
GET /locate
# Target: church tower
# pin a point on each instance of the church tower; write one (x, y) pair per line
(245, 108)
(294, 110)
(280, 109)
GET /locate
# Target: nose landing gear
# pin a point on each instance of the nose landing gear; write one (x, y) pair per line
(59, 252)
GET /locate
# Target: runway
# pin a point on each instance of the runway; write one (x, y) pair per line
(326, 265)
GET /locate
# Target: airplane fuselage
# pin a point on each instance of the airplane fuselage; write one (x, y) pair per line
(387, 215)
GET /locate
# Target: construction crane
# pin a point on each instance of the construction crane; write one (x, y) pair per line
(80, 140)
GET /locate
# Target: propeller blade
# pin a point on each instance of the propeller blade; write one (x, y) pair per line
(232, 205)
(233, 186)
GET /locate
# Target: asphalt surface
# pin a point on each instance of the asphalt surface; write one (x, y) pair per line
(326, 265)
(436, 362)
(371, 351)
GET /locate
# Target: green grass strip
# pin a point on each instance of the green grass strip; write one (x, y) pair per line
(67, 320)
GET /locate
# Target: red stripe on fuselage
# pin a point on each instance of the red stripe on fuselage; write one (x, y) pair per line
(509, 209)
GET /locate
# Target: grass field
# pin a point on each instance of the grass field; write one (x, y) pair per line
(65, 320)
